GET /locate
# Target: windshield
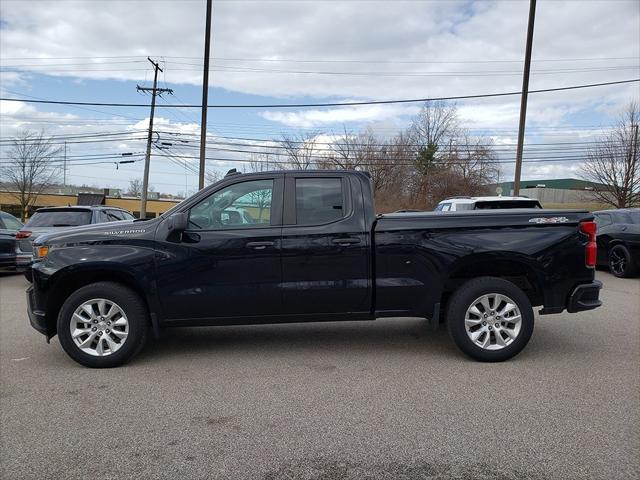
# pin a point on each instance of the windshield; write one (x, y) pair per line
(60, 218)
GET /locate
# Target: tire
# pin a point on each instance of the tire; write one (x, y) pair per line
(502, 342)
(621, 263)
(122, 320)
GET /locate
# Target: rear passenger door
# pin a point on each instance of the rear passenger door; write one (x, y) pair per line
(325, 246)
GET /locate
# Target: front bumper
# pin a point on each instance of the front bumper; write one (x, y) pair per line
(37, 317)
(585, 297)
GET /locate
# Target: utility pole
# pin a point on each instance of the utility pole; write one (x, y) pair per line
(633, 161)
(205, 95)
(525, 94)
(64, 176)
(154, 91)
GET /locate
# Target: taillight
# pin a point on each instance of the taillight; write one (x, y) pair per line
(23, 234)
(591, 248)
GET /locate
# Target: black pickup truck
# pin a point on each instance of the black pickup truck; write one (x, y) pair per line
(299, 246)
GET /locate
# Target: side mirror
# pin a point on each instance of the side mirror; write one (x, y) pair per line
(178, 221)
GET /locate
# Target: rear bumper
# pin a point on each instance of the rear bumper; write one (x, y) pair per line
(14, 262)
(585, 297)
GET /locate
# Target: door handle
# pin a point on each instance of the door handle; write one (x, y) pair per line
(343, 242)
(260, 245)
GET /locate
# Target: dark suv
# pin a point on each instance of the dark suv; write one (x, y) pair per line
(619, 240)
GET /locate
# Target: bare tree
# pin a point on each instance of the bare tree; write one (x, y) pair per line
(262, 162)
(301, 150)
(135, 188)
(33, 168)
(475, 163)
(351, 151)
(434, 128)
(613, 163)
(211, 176)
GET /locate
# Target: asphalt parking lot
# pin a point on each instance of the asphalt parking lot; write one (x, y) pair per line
(359, 400)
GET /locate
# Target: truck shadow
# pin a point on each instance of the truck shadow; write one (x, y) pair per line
(401, 334)
(386, 336)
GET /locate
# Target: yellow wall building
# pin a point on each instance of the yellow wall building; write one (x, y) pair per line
(9, 203)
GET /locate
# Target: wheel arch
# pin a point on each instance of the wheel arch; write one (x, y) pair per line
(70, 279)
(509, 266)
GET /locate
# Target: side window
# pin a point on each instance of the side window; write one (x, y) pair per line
(603, 219)
(100, 216)
(241, 205)
(319, 200)
(126, 215)
(113, 215)
(446, 207)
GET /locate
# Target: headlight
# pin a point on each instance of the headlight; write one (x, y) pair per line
(40, 251)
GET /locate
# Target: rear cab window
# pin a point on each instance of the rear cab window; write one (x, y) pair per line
(60, 218)
(319, 200)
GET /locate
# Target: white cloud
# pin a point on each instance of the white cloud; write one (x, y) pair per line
(319, 118)
(383, 38)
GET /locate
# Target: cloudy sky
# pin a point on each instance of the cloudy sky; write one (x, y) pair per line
(306, 51)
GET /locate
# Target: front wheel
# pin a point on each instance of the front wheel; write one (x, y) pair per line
(490, 319)
(103, 325)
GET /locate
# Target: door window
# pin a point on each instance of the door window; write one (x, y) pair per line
(319, 200)
(241, 205)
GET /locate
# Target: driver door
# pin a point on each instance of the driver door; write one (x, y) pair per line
(229, 257)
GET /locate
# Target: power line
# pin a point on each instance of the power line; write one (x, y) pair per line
(300, 142)
(236, 69)
(290, 60)
(331, 104)
(41, 100)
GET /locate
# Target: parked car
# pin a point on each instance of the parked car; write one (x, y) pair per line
(619, 240)
(55, 219)
(322, 255)
(454, 204)
(12, 259)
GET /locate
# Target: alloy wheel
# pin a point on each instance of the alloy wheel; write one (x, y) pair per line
(99, 327)
(493, 321)
(617, 262)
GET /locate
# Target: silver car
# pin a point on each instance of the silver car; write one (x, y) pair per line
(54, 219)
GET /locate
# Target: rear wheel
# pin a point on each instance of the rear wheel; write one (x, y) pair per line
(620, 262)
(103, 325)
(490, 319)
